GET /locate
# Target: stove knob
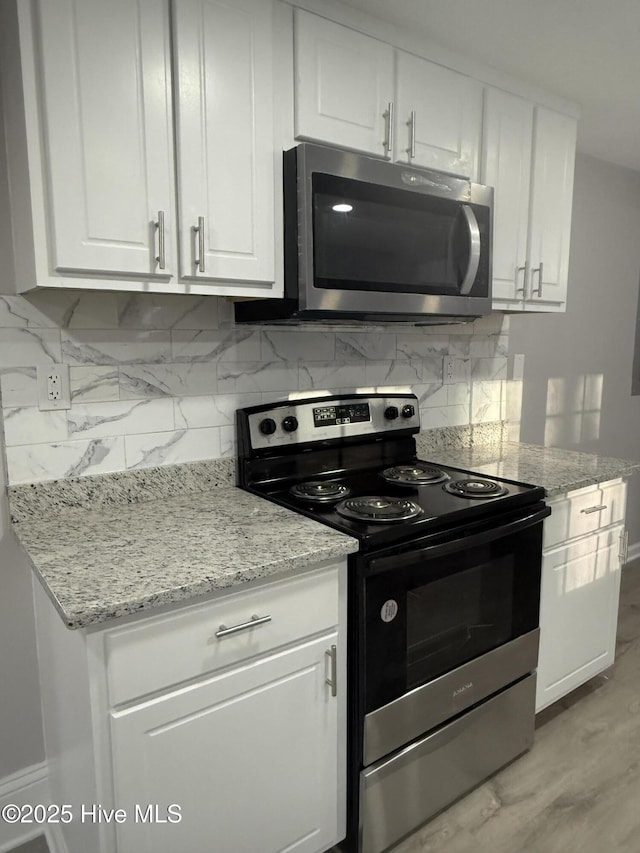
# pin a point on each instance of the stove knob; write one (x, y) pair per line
(408, 411)
(391, 413)
(290, 424)
(267, 426)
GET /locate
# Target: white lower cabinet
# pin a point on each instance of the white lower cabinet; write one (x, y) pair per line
(580, 588)
(226, 741)
(245, 755)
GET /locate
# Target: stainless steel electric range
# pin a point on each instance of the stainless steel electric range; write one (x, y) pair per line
(444, 597)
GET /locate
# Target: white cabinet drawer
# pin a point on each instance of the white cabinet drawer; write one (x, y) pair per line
(584, 511)
(166, 650)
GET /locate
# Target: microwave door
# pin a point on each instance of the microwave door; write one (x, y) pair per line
(473, 230)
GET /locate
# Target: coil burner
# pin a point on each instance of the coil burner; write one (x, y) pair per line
(416, 474)
(372, 508)
(320, 491)
(475, 487)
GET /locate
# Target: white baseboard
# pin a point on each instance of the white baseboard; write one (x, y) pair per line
(55, 840)
(29, 786)
(634, 552)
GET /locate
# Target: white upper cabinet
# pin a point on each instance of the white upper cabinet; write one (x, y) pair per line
(343, 86)
(357, 92)
(91, 94)
(528, 157)
(107, 136)
(438, 117)
(225, 160)
(506, 166)
(554, 151)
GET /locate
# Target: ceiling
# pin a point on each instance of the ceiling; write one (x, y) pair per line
(587, 51)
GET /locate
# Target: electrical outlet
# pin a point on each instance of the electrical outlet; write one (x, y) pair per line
(53, 387)
(447, 370)
(455, 371)
(518, 366)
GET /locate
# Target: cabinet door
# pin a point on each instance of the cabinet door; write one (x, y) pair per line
(249, 755)
(108, 130)
(343, 85)
(506, 166)
(578, 613)
(447, 110)
(554, 150)
(225, 158)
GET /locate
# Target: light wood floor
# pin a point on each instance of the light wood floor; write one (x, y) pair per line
(578, 789)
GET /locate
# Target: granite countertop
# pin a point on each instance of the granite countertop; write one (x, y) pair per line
(558, 471)
(118, 544)
(127, 557)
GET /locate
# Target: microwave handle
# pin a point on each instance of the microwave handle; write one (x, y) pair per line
(474, 254)
(431, 552)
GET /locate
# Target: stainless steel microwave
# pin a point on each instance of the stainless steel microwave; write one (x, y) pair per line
(369, 240)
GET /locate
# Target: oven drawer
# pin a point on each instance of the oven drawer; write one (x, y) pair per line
(388, 728)
(404, 791)
(165, 650)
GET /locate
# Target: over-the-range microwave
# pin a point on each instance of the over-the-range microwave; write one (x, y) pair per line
(369, 240)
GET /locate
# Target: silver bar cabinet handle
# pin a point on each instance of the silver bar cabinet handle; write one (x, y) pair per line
(160, 258)
(524, 279)
(223, 631)
(624, 547)
(333, 680)
(388, 142)
(200, 232)
(411, 150)
(591, 509)
(538, 290)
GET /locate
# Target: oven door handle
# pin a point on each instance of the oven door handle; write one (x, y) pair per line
(399, 561)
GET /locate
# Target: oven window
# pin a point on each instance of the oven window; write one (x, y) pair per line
(429, 615)
(371, 237)
(454, 619)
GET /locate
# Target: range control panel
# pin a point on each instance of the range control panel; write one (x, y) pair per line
(324, 418)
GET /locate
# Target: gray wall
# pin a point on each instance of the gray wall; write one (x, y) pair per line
(576, 392)
(21, 741)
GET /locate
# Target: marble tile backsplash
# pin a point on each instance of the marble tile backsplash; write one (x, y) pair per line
(156, 379)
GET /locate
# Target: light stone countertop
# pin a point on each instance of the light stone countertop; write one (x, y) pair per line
(558, 471)
(97, 565)
(118, 544)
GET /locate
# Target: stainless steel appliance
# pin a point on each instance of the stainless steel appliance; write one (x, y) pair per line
(370, 240)
(443, 599)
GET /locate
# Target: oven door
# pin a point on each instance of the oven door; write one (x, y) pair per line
(447, 624)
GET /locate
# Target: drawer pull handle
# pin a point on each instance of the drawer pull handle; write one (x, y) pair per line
(591, 509)
(223, 631)
(333, 680)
